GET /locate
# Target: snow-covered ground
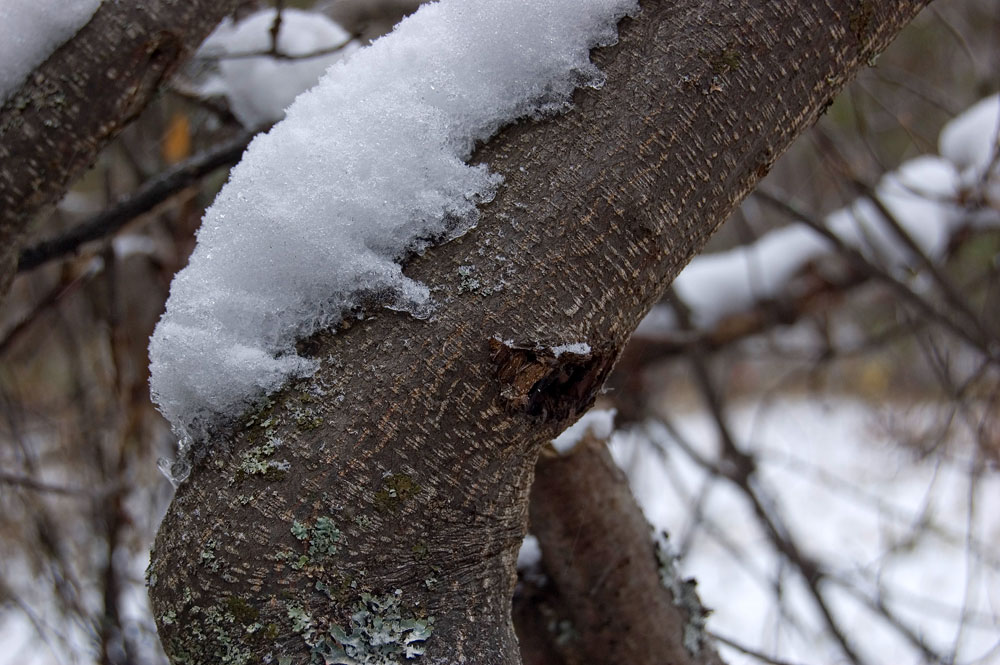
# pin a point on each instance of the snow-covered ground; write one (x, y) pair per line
(917, 533)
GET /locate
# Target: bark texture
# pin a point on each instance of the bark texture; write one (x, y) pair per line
(82, 96)
(383, 501)
(616, 596)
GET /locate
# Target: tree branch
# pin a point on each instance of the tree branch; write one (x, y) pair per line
(416, 440)
(148, 196)
(82, 96)
(597, 548)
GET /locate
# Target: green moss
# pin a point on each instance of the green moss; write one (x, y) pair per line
(420, 550)
(308, 423)
(396, 489)
(722, 62)
(339, 588)
(241, 610)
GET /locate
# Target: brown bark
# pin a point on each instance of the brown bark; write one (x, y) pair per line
(621, 598)
(415, 443)
(82, 96)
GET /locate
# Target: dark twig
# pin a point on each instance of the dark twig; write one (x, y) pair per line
(860, 262)
(740, 468)
(141, 201)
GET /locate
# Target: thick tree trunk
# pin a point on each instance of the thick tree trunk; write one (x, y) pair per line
(82, 96)
(382, 501)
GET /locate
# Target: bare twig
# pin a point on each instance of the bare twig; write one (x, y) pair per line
(860, 262)
(143, 200)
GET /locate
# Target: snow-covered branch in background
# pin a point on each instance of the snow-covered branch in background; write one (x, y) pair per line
(366, 167)
(260, 88)
(929, 196)
(31, 31)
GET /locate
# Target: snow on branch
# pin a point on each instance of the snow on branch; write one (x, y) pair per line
(366, 167)
(930, 197)
(31, 31)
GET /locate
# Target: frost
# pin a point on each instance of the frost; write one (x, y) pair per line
(599, 422)
(259, 89)
(31, 31)
(366, 168)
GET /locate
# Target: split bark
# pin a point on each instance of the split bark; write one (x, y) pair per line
(382, 501)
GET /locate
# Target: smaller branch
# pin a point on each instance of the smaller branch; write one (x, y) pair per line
(281, 55)
(861, 263)
(597, 550)
(953, 297)
(141, 201)
(279, 7)
(52, 298)
(753, 653)
(34, 485)
(273, 51)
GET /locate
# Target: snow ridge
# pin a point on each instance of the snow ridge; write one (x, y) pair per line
(365, 168)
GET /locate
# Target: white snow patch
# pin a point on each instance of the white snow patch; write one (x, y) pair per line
(259, 89)
(530, 554)
(31, 31)
(972, 139)
(578, 348)
(366, 167)
(894, 524)
(923, 195)
(599, 422)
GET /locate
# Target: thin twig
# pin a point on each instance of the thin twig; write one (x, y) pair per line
(141, 201)
(744, 649)
(862, 263)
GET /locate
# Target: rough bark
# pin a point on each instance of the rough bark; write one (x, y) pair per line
(617, 598)
(402, 469)
(82, 96)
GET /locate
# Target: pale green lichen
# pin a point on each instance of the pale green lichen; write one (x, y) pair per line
(207, 554)
(323, 536)
(378, 634)
(256, 460)
(684, 595)
(469, 282)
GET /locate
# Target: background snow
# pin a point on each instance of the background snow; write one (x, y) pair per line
(259, 89)
(323, 207)
(31, 31)
(889, 524)
(923, 195)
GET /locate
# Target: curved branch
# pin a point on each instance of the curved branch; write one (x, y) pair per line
(414, 444)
